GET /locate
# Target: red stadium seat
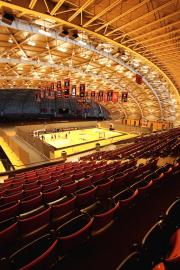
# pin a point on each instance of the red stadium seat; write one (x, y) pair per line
(39, 254)
(12, 198)
(52, 195)
(74, 233)
(62, 209)
(34, 191)
(173, 259)
(30, 203)
(85, 196)
(69, 188)
(50, 186)
(9, 212)
(103, 214)
(8, 238)
(32, 185)
(85, 182)
(36, 225)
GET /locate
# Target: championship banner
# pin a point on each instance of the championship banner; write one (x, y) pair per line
(66, 86)
(105, 97)
(93, 93)
(109, 95)
(82, 90)
(87, 94)
(73, 90)
(59, 89)
(52, 86)
(96, 96)
(37, 96)
(124, 96)
(42, 92)
(100, 95)
(115, 97)
(138, 79)
(46, 92)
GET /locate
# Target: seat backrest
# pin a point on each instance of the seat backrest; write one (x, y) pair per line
(39, 254)
(8, 237)
(131, 262)
(30, 224)
(31, 203)
(9, 212)
(52, 195)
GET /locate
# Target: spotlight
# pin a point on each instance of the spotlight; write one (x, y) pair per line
(73, 34)
(65, 32)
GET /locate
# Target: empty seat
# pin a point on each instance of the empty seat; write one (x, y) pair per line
(132, 262)
(85, 196)
(31, 185)
(8, 238)
(125, 197)
(50, 186)
(62, 209)
(12, 198)
(39, 254)
(154, 245)
(34, 191)
(69, 188)
(103, 187)
(36, 225)
(103, 214)
(52, 195)
(85, 182)
(9, 212)
(74, 233)
(173, 216)
(15, 190)
(173, 259)
(30, 203)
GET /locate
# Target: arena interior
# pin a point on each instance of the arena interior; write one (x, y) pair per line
(89, 135)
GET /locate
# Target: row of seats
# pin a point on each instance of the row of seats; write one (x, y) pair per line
(99, 214)
(143, 147)
(101, 184)
(160, 247)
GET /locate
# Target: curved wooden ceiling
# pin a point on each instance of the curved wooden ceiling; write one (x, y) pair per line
(125, 29)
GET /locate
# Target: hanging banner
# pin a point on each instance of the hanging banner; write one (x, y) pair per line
(115, 97)
(37, 96)
(138, 79)
(42, 92)
(73, 90)
(82, 90)
(105, 97)
(66, 86)
(109, 95)
(96, 96)
(124, 96)
(100, 95)
(93, 93)
(59, 89)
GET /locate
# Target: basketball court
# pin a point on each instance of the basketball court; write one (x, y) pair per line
(77, 141)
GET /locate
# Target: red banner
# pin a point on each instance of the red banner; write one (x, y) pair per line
(66, 86)
(100, 95)
(109, 95)
(93, 94)
(105, 97)
(115, 97)
(82, 90)
(59, 90)
(138, 79)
